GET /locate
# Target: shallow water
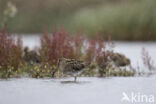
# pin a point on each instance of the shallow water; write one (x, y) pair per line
(87, 90)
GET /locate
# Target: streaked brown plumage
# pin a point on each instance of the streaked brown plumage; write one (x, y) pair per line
(30, 56)
(71, 66)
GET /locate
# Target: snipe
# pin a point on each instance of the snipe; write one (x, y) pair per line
(71, 66)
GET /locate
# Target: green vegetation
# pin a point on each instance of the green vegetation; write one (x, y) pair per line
(122, 19)
(33, 15)
(125, 21)
(36, 71)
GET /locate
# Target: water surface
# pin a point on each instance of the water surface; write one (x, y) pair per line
(89, 91)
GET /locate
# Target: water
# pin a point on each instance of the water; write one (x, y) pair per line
(87, 90)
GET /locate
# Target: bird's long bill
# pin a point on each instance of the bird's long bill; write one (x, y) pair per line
(57, 66)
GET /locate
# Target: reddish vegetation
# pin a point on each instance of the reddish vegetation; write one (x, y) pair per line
(57, 45)
(10, 51)
(61, 44)
(147, 61)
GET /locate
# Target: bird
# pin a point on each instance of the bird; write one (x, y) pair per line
(120, 60)
(30, 56)
(71, 67)
(113, 59)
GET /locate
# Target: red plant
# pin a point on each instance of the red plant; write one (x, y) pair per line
(59, 44)
(95, 48)
(10, 51)
(78, 41)
(90, 50)
(104, 53)
(147, 60)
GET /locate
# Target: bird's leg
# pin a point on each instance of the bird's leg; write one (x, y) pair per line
(75, 77)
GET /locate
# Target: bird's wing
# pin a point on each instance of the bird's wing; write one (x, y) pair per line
(74, 66)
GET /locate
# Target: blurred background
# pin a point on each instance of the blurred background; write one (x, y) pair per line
(122, 19)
